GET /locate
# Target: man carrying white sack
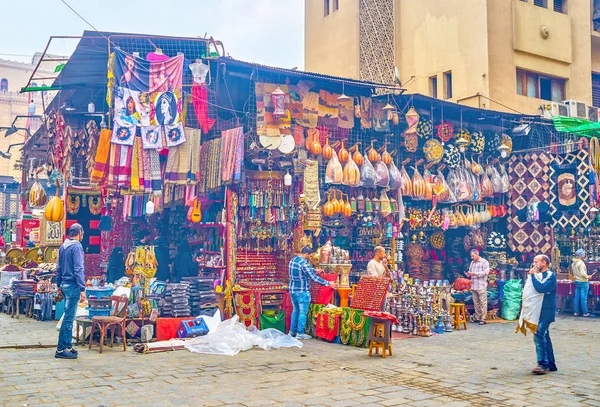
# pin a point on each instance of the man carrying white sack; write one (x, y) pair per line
(538, 312)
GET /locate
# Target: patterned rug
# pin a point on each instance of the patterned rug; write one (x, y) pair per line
(576, 214)
(531, 178)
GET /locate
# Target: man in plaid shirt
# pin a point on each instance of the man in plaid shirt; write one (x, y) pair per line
(301, 272)
(478, 271)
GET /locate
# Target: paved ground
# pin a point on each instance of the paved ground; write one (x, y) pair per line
(483, 366)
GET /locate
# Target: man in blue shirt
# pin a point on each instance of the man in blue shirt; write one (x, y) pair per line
(544, 282)
(301, 272)
(70, 279)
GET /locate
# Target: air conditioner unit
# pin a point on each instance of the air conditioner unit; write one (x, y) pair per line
(593, 114)
(554, 109)
(576, 109)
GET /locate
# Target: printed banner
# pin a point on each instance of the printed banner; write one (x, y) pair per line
(144, 76)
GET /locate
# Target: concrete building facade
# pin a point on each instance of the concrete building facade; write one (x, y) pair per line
(508, 55)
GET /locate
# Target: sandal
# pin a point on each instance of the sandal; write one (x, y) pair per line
(539, 370)
(482, 323)
(589, 316)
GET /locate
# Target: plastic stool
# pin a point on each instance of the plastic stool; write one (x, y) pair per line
(380, 336)
(458, 311)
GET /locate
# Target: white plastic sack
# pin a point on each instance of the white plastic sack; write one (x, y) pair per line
(231, 337)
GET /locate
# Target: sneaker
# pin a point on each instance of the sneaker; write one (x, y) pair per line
(589, 315)
(302, 337)
(73, 351)
(64, 354)
(540, 370)
(292, 334)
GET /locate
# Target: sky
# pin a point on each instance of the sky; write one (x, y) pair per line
(269, 32)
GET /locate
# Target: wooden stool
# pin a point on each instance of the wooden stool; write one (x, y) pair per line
(380, 336)
(16, 308)
(458, 311)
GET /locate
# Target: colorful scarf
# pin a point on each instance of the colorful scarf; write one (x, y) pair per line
(135, 173)
(119, 173)
(232, 154)
(200, 102)
(102, 154)
(178, 164)
(155, 177)
(140, 164)
(194, 139)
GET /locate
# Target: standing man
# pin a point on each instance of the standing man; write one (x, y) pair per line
(377, 266)
(478, 271)
(70, 279)
(582, 285)
(544, 282)
(301, 272)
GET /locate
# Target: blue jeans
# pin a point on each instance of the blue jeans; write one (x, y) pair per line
(300, 301)
(581, 294)
(543, 346)
(71, 293)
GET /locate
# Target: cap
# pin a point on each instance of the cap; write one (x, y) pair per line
(580, 253)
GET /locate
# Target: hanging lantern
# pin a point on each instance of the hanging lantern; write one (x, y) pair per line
(287, 179)
(462, 142)
(388, 107)
(91, 107)
(31, 108)
(149, 207)
(278, 99)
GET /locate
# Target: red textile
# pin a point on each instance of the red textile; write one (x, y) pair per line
(320, 294)
(381, 315)
(322, 329)
(200, 102)
(166, 328)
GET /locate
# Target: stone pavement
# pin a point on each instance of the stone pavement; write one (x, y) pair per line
(483, 366)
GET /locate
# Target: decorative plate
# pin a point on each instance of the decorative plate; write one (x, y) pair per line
(434, 151)
(493, 143)
(496, 240)
(414, 250)
(445, 132)
(451, 156)
(477, 142)
(425, 127)
(464, 134)
(411, 142)
(437, 240)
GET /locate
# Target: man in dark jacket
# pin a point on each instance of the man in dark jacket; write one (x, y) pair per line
(70, 279)
(544, 282)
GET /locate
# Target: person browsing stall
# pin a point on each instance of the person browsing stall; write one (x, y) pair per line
(70, 280)
(478, 271)
(378, 266)
(582, 285)
(301, 272)
(544, 282)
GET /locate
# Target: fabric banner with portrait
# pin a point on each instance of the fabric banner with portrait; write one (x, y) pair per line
(148, 94)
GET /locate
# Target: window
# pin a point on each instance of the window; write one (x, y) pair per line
(541, 3)
(4, 85)
(433, 87)
(448, 85)
(326, 5)
(538, 86)
(336, 5)
(596, 89)
(560, 6)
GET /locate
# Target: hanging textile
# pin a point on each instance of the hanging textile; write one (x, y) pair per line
(267, 123)
(174, 134)
(155, 176)
(135, 173)
(366, 112)
(346, 114)
(232, 154)
(310, 110)
(200, 102)
(328, 108)
(151, 137)
(194, 138)
(123, 133)
(530, 177)
(381, 123)
(132, 107)
(210, 166)
(311, 184)
(178, 164)
(140, 164)
(119, 172)
(102, 154)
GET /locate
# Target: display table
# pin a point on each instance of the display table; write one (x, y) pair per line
(249, 305)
